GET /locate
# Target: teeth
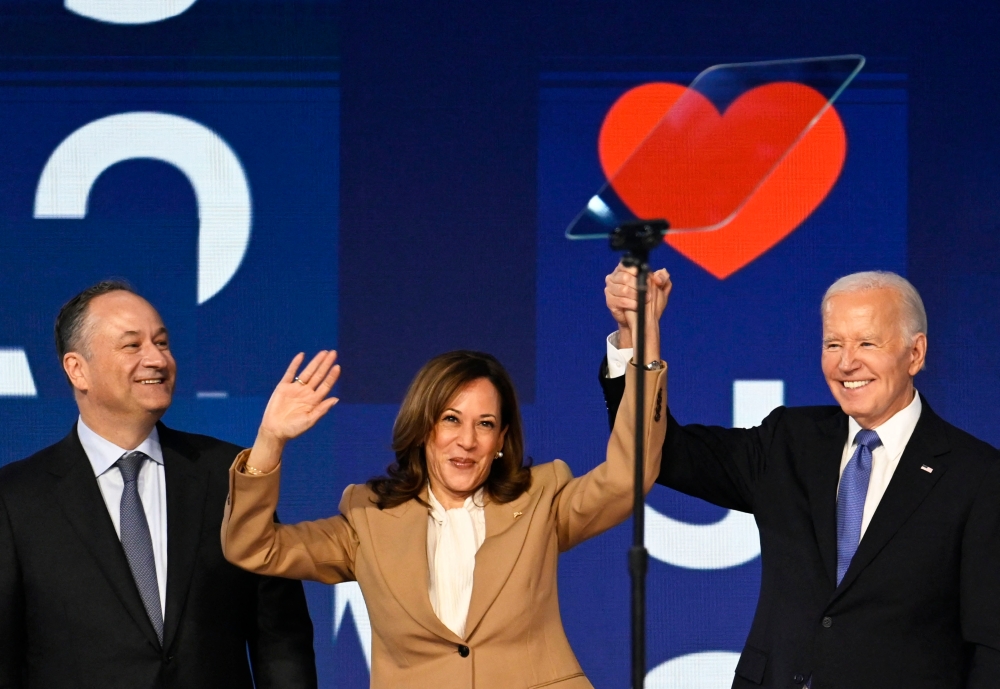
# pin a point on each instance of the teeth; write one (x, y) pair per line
(854, 384)
(150, 382)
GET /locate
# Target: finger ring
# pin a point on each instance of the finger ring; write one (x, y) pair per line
(299, 381)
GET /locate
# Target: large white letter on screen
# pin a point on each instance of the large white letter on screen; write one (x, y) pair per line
(734, 540)
(15, 374)
(220, 185)
(727, 543)
(348, 595)
(753, 400)
(705, 670)
(128, 11)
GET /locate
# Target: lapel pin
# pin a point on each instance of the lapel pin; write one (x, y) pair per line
(924, 467)
(517, 514)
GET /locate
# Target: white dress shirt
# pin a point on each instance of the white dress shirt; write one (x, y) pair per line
(152, 485)
(894, 434)
(617, 358)
(453, 539)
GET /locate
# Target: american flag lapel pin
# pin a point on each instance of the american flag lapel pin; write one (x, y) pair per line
(924, 467)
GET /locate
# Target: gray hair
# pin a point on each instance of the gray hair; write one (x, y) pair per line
(914, 315)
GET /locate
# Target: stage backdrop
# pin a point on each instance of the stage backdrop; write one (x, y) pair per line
(396, 182)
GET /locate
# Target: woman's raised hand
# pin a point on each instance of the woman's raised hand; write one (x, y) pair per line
(299, 401)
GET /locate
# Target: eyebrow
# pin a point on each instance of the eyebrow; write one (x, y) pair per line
(162, 330)
(866, 337)
(481, 416)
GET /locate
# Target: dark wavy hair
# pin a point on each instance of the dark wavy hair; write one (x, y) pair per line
(433, 388)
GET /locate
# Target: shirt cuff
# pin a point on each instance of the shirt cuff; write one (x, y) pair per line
(617, 358)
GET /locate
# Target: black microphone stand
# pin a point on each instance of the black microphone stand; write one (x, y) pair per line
(637, 239)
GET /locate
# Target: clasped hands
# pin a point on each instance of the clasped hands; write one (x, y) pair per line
(622, 298)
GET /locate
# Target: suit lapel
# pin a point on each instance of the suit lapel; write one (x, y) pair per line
(907, 489)
(399, 540)
(79, 497)
(506, 529)
(186, 490)
(822, 478)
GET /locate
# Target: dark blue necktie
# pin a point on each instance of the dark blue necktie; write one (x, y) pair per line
(851, 499)
(137, 542)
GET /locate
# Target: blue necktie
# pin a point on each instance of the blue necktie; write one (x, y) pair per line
(851, 499)
(137, 542)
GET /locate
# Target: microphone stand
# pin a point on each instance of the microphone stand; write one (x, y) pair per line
(637, 239)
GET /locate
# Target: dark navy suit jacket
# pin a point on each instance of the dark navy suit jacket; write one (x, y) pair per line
(70, 612)
(919, 607)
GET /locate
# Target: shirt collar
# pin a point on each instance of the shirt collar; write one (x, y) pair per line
(473, 504)
(895, 432)
(103, 453)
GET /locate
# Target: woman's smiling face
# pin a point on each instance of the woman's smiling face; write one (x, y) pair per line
(463, 443)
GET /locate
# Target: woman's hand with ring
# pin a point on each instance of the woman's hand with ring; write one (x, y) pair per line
(299, 401)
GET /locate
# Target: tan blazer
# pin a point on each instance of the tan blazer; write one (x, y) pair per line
(514, 634)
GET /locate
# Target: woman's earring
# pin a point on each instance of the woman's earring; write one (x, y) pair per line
(498, 455)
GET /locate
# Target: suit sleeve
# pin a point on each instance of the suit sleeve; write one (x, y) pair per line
(602, 498)
(281, 651)
(321, 550)
(12, 630)
(614, 389)
(980, 592)
(719, 465)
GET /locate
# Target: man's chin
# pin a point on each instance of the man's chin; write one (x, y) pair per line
(157, 407)
(851, 408)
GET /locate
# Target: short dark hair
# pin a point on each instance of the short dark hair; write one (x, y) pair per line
(434, 386)
(73, 314)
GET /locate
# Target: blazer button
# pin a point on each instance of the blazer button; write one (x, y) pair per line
(827, 622)
(799, 679)
(463, 650)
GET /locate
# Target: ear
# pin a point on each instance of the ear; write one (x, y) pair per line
(918, 354)
(503, 436)
(75, 366)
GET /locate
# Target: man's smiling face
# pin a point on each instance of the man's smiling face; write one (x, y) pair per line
(868, 359)
(128, 367)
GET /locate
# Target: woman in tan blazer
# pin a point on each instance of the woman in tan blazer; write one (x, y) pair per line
(453, 601)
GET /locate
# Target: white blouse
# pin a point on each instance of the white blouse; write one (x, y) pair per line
(453, 539)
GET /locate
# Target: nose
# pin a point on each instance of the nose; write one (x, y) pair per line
(848, 360)
(153, 356)
(467, 436)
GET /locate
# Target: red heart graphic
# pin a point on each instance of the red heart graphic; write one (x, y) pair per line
(699, 170)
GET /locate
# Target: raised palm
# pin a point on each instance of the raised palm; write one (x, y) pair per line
(299, 401)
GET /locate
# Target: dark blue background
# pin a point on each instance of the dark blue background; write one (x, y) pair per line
(412, 167)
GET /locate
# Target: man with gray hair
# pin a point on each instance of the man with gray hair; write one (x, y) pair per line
(879, 521)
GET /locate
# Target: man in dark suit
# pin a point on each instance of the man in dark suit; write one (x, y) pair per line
(111, 568)
(879, 521)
